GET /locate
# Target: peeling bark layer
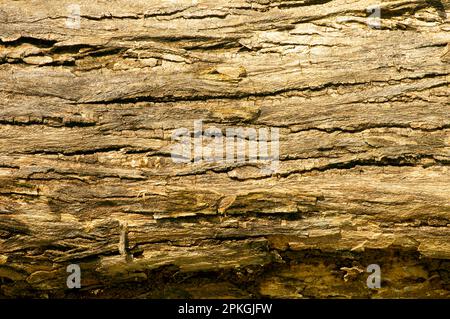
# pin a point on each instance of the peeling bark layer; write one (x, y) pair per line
(86, 174)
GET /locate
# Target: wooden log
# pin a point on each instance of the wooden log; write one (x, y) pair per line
(91, 94)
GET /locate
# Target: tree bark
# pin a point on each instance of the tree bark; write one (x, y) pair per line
(87, 114)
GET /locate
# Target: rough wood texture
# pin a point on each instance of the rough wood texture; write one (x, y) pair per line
(86, 175)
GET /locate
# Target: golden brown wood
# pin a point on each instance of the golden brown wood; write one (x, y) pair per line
(86, 175)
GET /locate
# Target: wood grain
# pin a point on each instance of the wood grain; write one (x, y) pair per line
(86, 174)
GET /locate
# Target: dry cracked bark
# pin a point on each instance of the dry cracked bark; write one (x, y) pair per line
(86, 175)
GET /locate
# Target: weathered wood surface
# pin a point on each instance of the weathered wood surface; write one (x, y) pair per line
(86, 175)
